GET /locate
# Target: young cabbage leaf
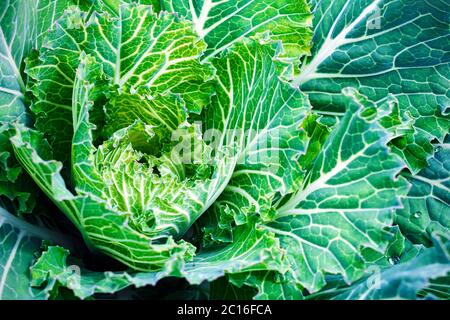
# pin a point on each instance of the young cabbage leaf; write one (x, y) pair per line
(166, 62)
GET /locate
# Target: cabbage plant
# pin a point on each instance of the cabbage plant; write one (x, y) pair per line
(272, 149)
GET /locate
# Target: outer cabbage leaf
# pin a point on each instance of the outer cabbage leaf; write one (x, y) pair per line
(18, 245)
(403, 281)
(53, 268)
(427, 206)
(222, 23)
(101, 226)
(261, 115)
(167, 59)
(23, 25)
(12, 45)
(272, 285)
(397, 47)
(346, 201)
(222, 289)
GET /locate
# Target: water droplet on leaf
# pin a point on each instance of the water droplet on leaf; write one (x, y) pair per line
(417, 214)
(394, 260)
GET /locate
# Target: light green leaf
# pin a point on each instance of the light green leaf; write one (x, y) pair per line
(23, 25)
(166, 61)
(261, 116)
(222, 23)
(52, 74)
(346, 201)
(317, 133)
(253, 249)
(122, 171)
